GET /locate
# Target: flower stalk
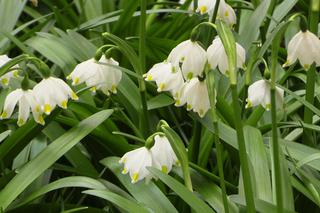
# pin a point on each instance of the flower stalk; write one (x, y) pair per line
(230, 47)
(144, 123)
(311, 73)
(219, 147)
(275, 142)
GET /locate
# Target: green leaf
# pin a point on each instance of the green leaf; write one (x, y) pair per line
(76, 181)
(159, 101)
(250, 31)
(118, 200)
(194, 202)
(180, 150)
(27, 174)
(259, 160)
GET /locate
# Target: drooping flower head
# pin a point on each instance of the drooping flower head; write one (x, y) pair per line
(97, 75)
(196, 95)
(136, 163)
(259, 93)
(166, 76)
(5, 79)
(163, 156)
(26, 101)
(304, 46)
(190, 56)
(217, 56)
(225, 11)
(52, 91)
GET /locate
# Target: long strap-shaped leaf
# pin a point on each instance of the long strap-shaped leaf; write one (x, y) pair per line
(120, 201)
(48, 156)
(195, 202)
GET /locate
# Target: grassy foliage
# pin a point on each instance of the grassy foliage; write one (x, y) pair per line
(71, 163)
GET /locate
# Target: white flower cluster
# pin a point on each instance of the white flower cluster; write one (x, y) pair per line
(160, 156)
(181, 74)
(97, 75)
(225, 11)
(43, 98)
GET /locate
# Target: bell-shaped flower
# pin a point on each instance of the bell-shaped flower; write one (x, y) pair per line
(259, 93)
(136, 163)
(205, 6)
(178, 96)
(166, 76)
(190, 56)
(217, 56)
(197, 97)
(304, 46)
(5, 79)
(226, 13)
(97, 75)
(52, 91)
(26, 101)
(163, 156)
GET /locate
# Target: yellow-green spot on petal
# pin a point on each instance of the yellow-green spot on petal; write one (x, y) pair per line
(124, 171)
(16, 73)
(37, 108)
(69, 77)
(201, 112)
(286, 63)
(164, 169)
(21, 122)
(189, 107)
(76, 80)
(149, 78)
(226, 14)
(93, 89)
(114, 89)
(203, 9)
(64, 104)
(162, 86)
(4, 114)
(74, 96)
(306, 66)
(249, 103)
(47, 109)
(40, 120)
(4, 81)
(135, 178)
(177, 102)
(190, 75)
(173, 70)
(268, 107)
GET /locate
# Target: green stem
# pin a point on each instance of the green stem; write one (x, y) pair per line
(219, 149)
(275, 142)
(193, 149)
(311, 73)
(215, 12)
(242, 150)
(144, 123)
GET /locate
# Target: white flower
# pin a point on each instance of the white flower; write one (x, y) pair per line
(259, 93)
(191, 56)
(52, 91)
(304, 46)
(26, 101)
(5, 79)
(97, 75)
(163, 156)
(226, 13)
(178, 96)
(136, 163)
(217, 56)
(205, 6)
(166, 76)
(197, 97)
